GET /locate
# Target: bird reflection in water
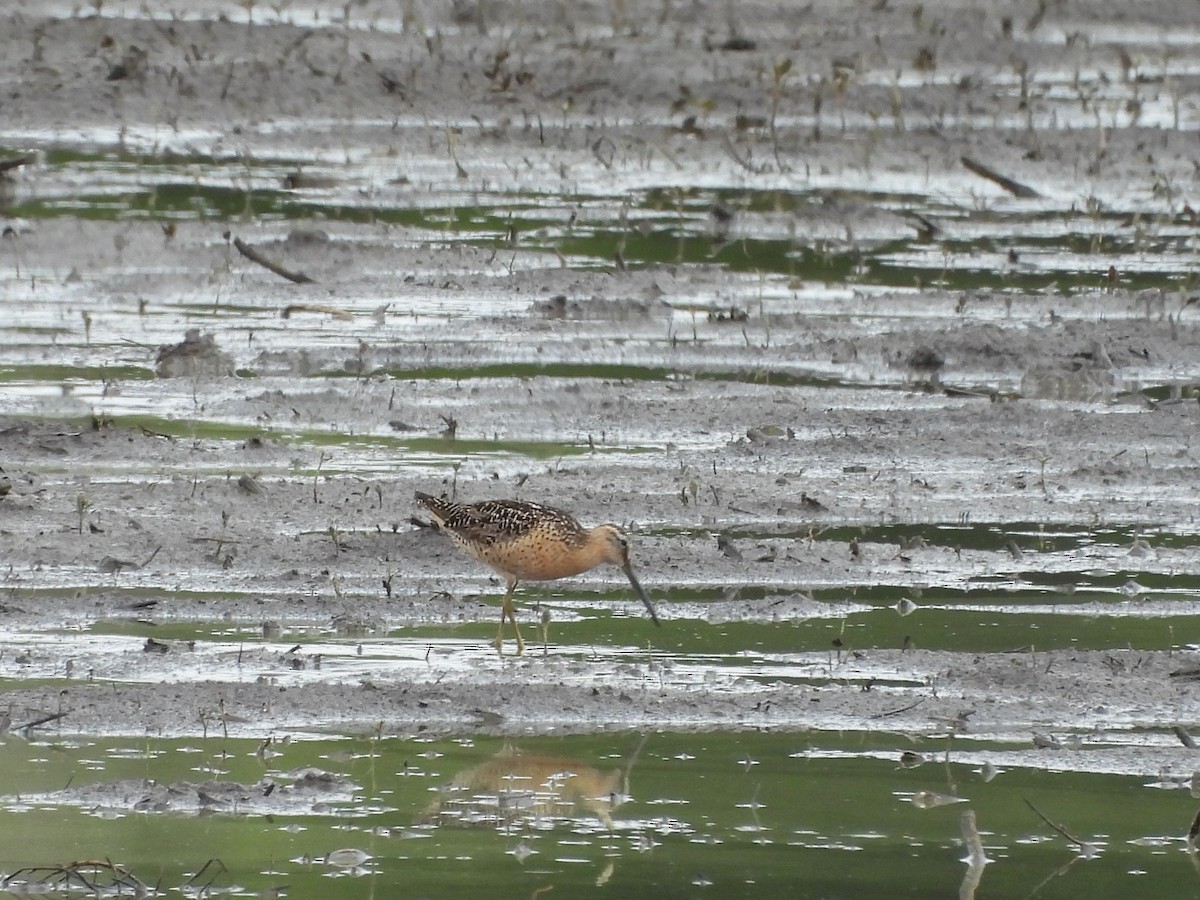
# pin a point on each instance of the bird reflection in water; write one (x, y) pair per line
(519, 789)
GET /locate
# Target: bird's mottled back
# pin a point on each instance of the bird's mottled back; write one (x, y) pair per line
(498, 521)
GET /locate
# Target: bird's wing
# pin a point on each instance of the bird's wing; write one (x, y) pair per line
(496, 521)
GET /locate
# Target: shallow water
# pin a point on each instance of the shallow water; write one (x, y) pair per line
(753, 815)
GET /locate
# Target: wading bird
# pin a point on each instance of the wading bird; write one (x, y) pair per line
(530, 542)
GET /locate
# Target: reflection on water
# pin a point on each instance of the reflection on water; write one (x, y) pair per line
(515, 789)
(757, 815)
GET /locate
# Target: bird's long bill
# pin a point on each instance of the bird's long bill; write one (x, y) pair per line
(637, 586)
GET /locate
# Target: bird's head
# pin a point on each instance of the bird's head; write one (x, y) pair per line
(615, 543)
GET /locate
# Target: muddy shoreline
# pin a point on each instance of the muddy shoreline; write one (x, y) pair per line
(894, 427)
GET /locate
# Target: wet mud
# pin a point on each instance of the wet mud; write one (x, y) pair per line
(986, 417)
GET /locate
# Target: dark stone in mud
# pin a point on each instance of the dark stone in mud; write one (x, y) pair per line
(196, 356)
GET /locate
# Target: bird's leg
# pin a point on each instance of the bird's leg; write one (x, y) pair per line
(504, 603)
(507, 610)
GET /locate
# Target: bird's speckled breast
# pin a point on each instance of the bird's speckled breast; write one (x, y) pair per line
(533, 556)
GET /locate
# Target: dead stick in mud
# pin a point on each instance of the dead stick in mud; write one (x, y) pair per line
(292, 308)
(42, 721)
(254, 256)
(1193, 832)
(7, 165)
(971, 838)
(1070, 837)
(1013, 187)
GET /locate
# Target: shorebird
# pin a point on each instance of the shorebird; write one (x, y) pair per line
(530, 542)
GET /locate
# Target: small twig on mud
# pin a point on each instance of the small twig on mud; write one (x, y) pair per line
(1042, 460)
(926, 230)
(192, 882)
(604, 150)
(778, 74)
(317, 475)
(667, 155)
(459, 171)
(82, 504)
(335, 535)
(228, 81)
(254, 256)
(744, 163)
(896, 712)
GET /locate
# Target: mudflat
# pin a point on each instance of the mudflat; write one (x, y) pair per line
(875, 331)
